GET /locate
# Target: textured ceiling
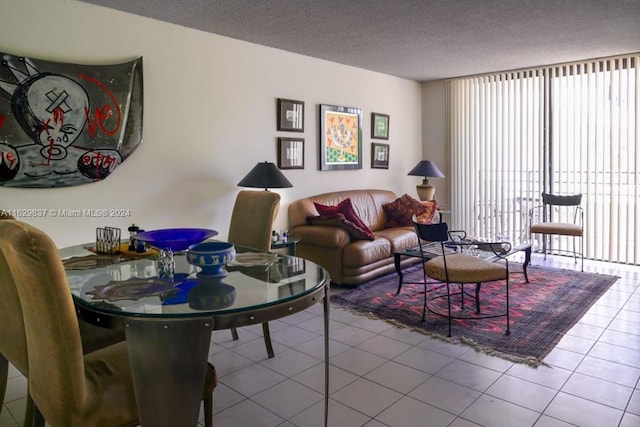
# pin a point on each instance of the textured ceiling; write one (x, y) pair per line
(418, 40)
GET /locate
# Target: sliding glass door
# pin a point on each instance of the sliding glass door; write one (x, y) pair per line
(564, 129)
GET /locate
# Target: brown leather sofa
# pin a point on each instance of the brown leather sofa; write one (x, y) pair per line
(348, 261)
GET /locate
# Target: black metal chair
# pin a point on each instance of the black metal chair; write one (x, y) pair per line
(454, 266)
(559, 216)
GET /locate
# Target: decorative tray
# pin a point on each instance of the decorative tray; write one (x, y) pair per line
(126, 253)
(247, 259)
(88, 262)
(133, 289)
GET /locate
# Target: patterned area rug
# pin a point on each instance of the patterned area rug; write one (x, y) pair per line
(541, 311)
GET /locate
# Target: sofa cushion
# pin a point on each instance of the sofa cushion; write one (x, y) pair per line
(339, 220)
(400, 238)
(346, 208)
(365, 252)
(400, 212)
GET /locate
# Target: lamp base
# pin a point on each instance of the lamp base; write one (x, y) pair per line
(425, 192)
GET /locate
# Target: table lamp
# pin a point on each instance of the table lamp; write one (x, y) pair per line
(265, 175)
(426, 169)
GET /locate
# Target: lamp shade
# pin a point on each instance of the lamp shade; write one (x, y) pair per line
(427, 169)
(265, 175)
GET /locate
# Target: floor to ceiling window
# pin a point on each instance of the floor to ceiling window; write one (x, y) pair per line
(564, 129)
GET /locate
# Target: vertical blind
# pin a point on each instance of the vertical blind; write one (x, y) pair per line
(564, 129)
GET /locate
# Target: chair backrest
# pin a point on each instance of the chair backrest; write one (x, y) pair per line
(556, 200)
(252, 219)
(438, 232)
(13, 343)
(35, 295)
(555, 207)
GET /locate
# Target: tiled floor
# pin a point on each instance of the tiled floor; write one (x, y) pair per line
(385, 376)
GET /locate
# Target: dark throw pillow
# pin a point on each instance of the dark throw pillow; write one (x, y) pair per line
(401, 211)
(346, 208)
(339, 220)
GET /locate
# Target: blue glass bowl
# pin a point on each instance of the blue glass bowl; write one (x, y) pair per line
(176, 239)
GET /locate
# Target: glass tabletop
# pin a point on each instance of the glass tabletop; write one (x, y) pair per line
(133, 287)
(482, 247)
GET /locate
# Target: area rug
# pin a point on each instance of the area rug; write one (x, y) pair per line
(541, 311)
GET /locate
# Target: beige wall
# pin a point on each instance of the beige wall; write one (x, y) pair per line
(433, 135)
(209, 116)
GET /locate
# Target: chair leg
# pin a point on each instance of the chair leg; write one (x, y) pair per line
(208, 410)
(32, 416)
(507, 291)
(449, 308)
(267, 339)
(424, 303)
(4, 377)
(582, 253)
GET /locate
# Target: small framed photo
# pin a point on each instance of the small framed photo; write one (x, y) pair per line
(290, 115)
(379, 156)
(379, 126)
(291, 153)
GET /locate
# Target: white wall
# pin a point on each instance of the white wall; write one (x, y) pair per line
(209, 117)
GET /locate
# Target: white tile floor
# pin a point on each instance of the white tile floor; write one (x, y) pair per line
(385, 376)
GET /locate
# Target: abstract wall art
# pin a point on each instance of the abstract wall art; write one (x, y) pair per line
(64, 124)
(340, 138)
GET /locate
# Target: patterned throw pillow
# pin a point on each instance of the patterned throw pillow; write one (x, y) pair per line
(401, 211)
(339, 220)
(346, 208)
(430, 215)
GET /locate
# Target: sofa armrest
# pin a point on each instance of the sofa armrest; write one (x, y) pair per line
(322, 235)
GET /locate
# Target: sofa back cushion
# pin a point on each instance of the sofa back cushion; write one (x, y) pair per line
(366, 203)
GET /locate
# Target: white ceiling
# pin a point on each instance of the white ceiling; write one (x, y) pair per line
(419, 40)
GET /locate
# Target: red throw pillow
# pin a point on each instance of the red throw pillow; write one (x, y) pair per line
(346, 208)
(430, 214)
(339, 220)
(401, 211)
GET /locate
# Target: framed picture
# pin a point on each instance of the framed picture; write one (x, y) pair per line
(290, 115)
(291, 153)
(340, 141)
(379, 156)
(379, 126)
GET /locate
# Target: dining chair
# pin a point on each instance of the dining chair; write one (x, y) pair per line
(252, 218)
(93, 338)
(40, 335)
(455, 265)
(559, 216)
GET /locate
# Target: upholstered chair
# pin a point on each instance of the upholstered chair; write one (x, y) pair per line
(455, 267)
(251, 224)
(93, 338)
(40, 336)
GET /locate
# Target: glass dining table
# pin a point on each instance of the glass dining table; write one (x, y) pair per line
(168, 321)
